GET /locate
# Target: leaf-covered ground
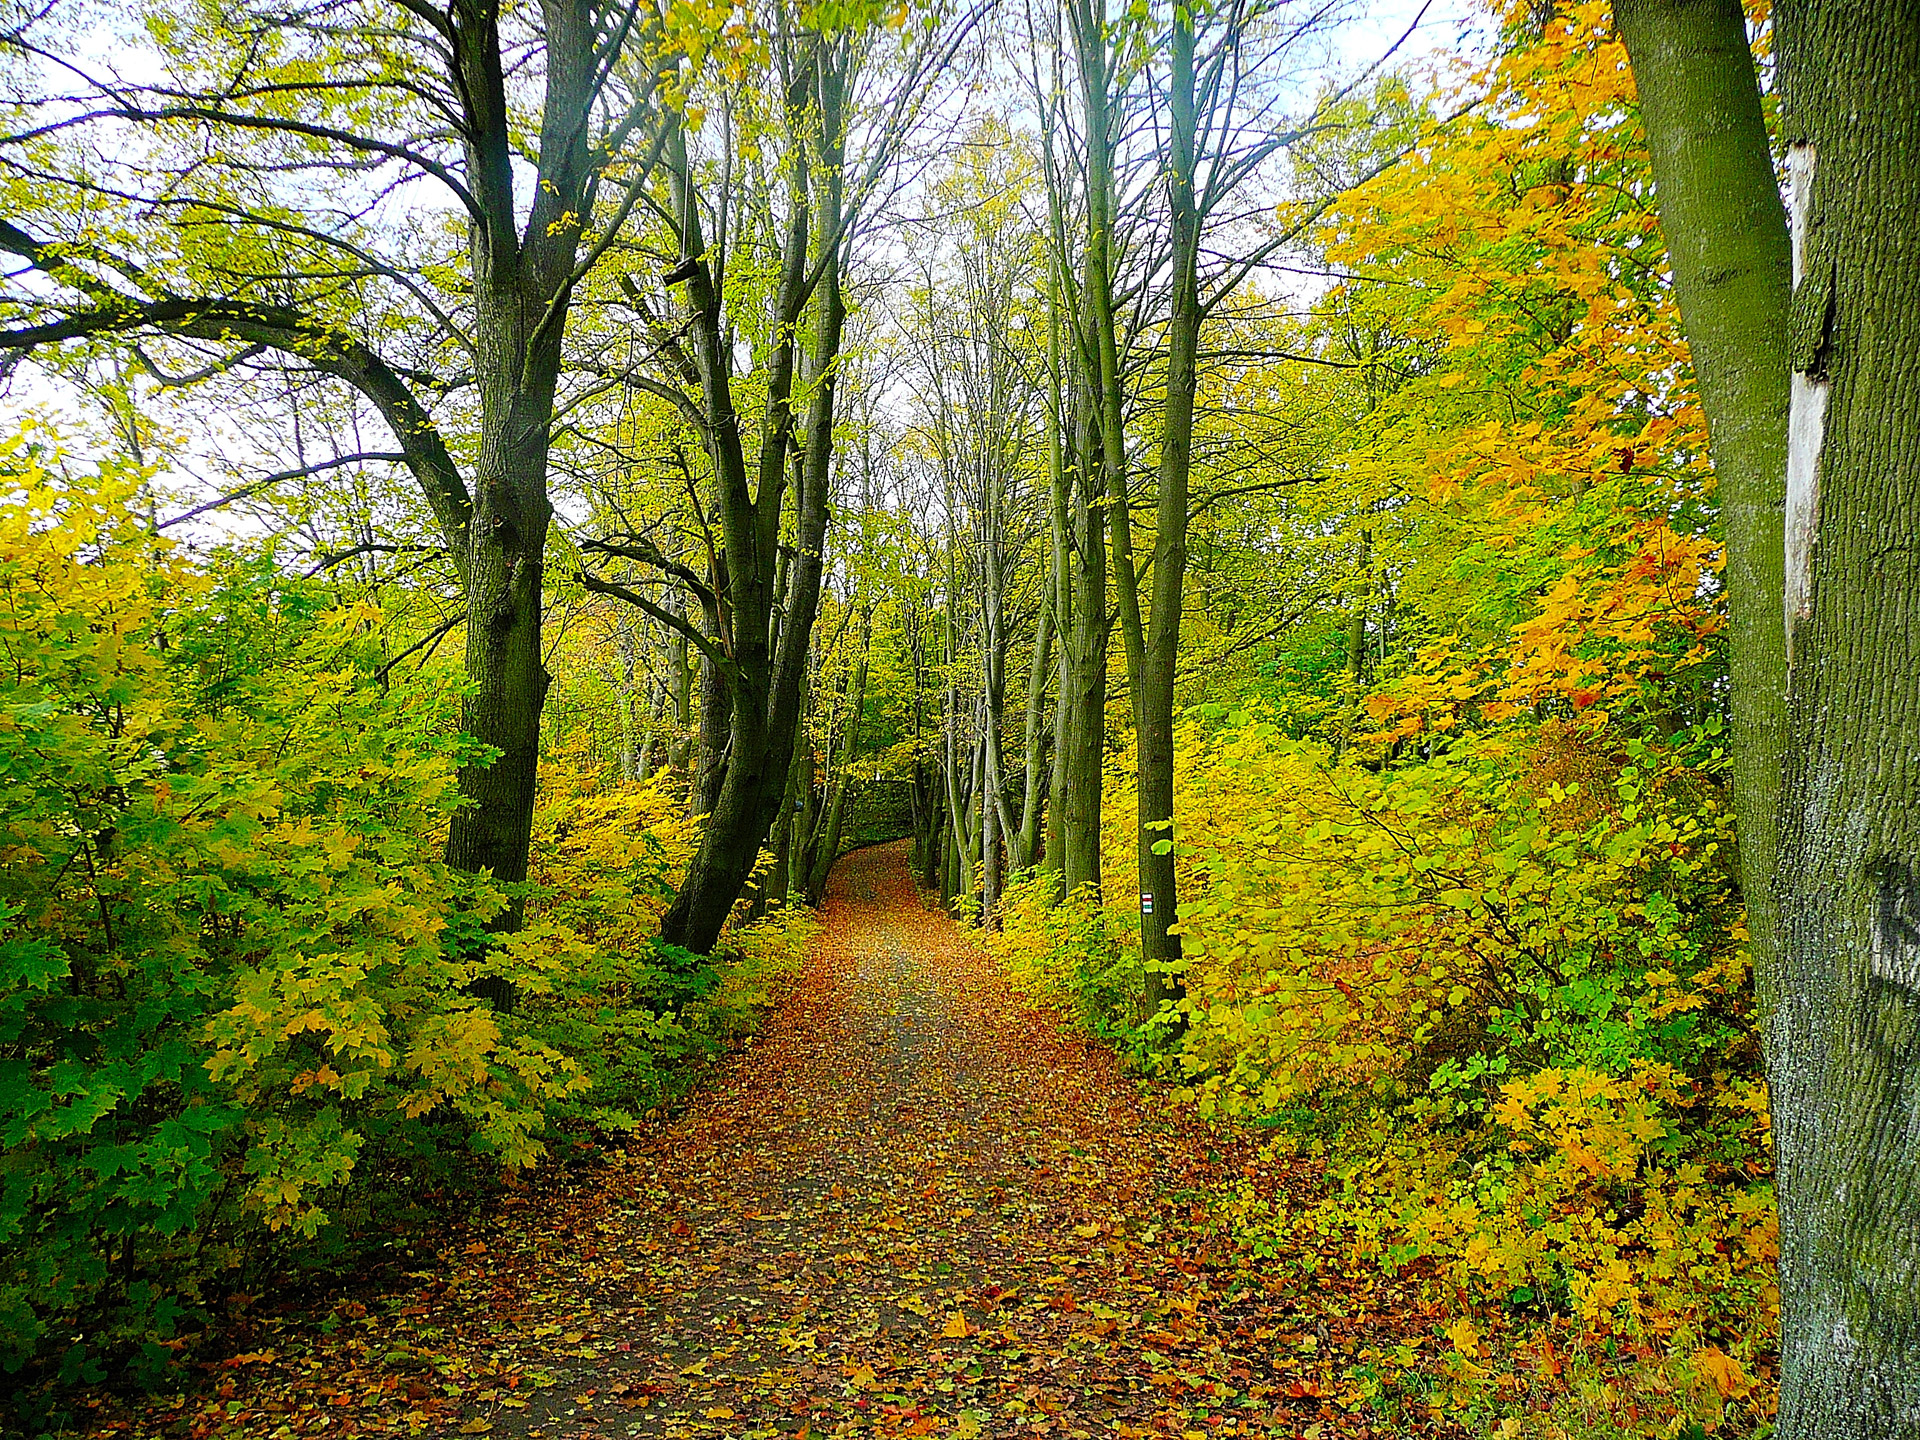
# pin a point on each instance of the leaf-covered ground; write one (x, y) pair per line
(914, 1206)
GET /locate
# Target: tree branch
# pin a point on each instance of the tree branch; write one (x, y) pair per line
(722, 662)
(267, 482)
(327, 348)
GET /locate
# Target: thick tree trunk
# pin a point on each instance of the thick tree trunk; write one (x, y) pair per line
(493, 830)
(1844, 1037)
(522, 287)
(1726, 236)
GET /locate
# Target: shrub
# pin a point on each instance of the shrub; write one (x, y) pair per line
(228, 974)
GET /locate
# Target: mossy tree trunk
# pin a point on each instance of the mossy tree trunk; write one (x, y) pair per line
(1844, 1036)
(1726, 235)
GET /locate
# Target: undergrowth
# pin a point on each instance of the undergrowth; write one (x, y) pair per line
(1502, 1016)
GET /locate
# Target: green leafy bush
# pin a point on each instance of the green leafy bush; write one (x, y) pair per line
(226, 976)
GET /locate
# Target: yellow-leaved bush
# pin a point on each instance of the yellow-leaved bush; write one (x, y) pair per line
(606, 856)
(233, 970)
(1497, 993)
(239, 1006)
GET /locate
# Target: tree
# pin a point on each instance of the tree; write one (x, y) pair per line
(1726, 236)
(1840, 1037)
(258, 246)
(1844, 987)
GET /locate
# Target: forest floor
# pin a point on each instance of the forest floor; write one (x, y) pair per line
(914, 1205)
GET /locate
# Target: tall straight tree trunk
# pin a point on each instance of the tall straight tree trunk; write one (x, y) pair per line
(1024, 842)
(1060, 578)
(993, 644)
(959, 815)
(681, 751)
(1357, 617)
(1844, 1037)
(1083, 667)
(716, 714)
(780, 887)
(1154, 680)
(989, 838)
(1101, 460)
(1726, 235)
(835, 820)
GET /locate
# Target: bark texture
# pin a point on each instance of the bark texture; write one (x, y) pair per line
(1844, 1038)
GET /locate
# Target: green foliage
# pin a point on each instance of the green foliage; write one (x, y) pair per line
(642, 1016)
(231, 973)
(1072, 954)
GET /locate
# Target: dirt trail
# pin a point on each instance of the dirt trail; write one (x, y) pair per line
(915, 1207)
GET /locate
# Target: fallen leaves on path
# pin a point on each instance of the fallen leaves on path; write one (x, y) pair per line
(915, 1206)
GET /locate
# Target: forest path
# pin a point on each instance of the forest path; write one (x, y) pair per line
(913, 1207)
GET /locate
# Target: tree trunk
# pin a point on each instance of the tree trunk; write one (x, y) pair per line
(643, 764)
(1154, 682)
(493, 830)
(1060, 576)
(1083, 677)
(522, 288)
(1726, 237)
(993, 704)
(1845, 1035)
(779, 886)
(716, 714)
(828, 849)
(629, 708)
(1357, 616)
(681, 751)
(1023, 843)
